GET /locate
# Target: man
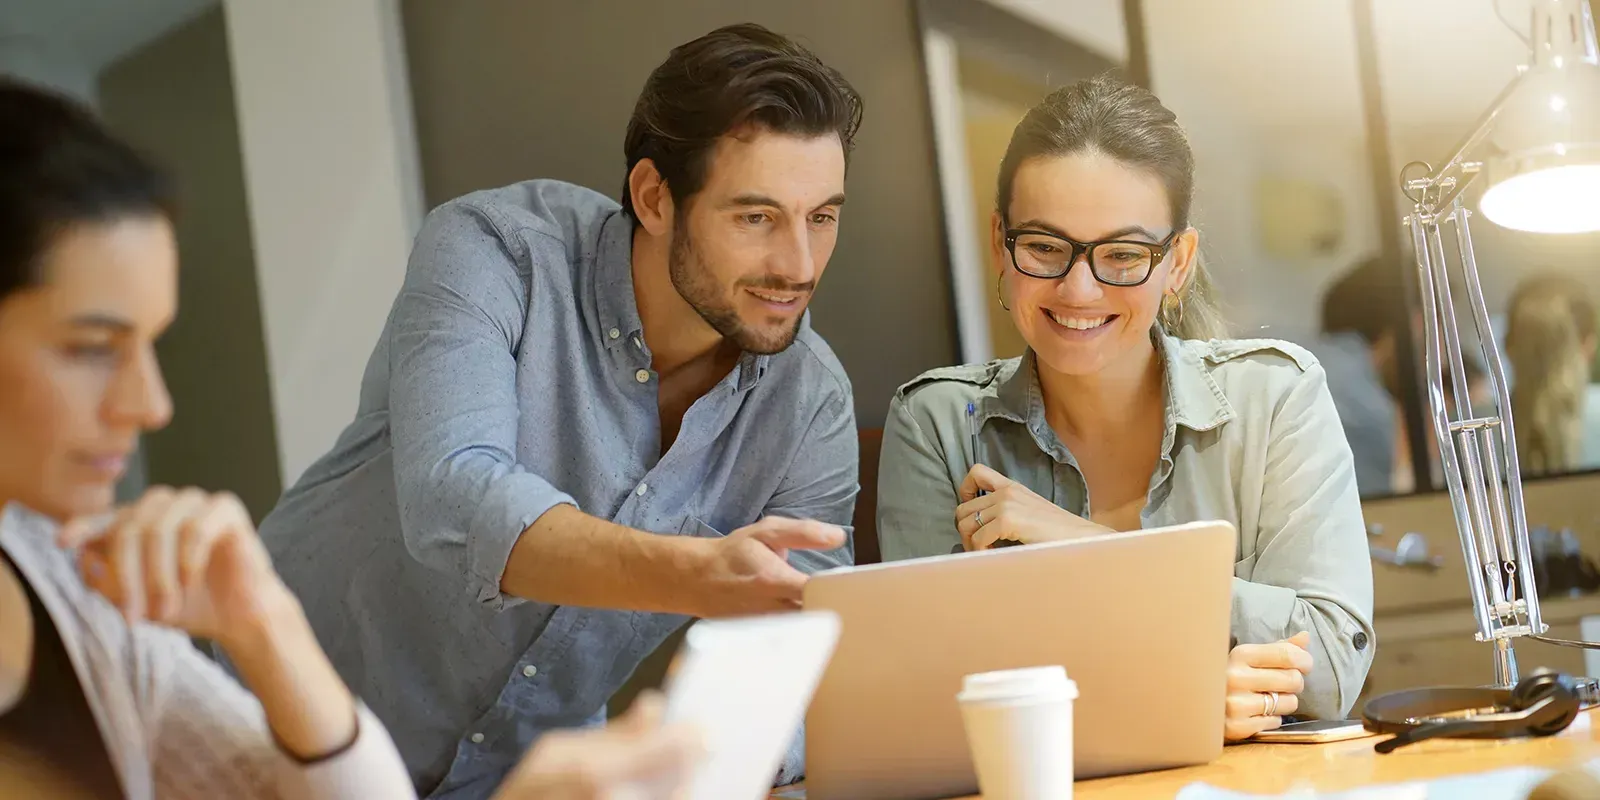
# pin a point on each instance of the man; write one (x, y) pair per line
(1360, 314)
(584, 424)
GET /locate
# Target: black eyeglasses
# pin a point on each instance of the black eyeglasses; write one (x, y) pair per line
(1116, 262)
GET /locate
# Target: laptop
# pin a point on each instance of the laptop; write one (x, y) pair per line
(1139, 620)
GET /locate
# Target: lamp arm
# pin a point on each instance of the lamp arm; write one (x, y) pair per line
(1477, 453)
(1455, 174)
(1538, 120)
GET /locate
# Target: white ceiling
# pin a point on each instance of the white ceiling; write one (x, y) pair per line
(93, 33)
(1095, 24)
(1292, 63)
(1284, 63)
(1444, 61)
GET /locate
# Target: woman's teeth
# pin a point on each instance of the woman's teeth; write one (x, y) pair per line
(1077, 323)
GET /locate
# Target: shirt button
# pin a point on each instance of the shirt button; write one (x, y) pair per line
(1359, 640)
(642, 376)
(530, 671)
(477, 738)
(614, 333)
(643, 487)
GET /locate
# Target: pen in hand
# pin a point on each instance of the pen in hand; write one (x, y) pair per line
(972, 435)
(977, 458)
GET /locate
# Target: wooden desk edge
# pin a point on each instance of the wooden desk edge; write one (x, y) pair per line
(1338, 766)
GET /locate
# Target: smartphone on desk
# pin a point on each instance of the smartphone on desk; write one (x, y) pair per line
(1314, 731)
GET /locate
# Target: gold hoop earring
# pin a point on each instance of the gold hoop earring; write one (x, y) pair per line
(1177, 300)
(999, 290)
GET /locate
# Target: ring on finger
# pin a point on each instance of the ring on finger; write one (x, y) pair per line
(978, 518)
(1269, 704)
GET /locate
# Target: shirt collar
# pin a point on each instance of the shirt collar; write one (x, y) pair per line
(751, 369)
(613, 282)
(1194, 399)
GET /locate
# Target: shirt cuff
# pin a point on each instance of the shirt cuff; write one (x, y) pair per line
(511, 504)
(1261, 612)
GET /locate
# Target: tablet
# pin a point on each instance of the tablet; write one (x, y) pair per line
(744, 684)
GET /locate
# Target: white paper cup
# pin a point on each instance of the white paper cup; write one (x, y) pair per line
(1019, 730)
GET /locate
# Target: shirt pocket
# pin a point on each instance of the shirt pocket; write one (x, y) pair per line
(1245, 567)
(697, 527)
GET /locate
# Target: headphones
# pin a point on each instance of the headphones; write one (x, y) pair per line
(1542, 704)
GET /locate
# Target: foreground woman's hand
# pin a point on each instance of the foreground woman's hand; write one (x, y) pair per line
(191, 560)
(1255, 671)
(1009, 510)
(183, 558)
(633, 758)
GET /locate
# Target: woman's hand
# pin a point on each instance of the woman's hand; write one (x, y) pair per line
(184, 558)
(1255, 671)
(1009, 510)
(191, 560)
(633, 758)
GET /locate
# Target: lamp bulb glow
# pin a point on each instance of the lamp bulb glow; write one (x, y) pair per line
(1562, 199)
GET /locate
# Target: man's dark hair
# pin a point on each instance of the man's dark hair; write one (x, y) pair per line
(59, 167)
(732, 78)
(1368, 300)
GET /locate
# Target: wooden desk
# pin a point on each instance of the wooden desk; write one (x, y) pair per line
(1277, 768)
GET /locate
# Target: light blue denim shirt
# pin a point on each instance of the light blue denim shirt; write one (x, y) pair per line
(512, 377)
(1251, 438)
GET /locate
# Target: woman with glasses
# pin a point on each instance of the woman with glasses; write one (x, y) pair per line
(1128, 411)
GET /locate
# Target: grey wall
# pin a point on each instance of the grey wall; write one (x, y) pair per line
(506, 90)
(48, 64)
(174, 98)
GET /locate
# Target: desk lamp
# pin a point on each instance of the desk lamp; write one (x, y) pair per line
(1538, 149)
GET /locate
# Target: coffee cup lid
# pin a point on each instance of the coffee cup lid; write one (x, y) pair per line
(1018, 684)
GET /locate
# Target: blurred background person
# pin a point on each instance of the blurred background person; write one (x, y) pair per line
(1360, 314)
(1359, 348)
(1550, 342)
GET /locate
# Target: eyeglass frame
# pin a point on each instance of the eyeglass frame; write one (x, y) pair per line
(1158, 253)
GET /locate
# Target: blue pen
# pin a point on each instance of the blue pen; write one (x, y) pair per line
(972, 432)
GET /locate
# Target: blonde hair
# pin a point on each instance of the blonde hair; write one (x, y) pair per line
(1548, 327)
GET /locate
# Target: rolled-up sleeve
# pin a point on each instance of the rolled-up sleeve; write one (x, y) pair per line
(455, 333)
(916, 498)
(209, 737)
(1312, 570)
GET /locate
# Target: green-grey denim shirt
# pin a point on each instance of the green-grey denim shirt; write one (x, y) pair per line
(1252, 438)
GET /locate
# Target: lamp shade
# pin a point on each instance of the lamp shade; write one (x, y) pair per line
(1544, 171)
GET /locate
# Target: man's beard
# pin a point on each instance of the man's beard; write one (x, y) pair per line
(697, 285)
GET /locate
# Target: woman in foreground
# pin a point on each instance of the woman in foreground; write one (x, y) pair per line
(1126, 412)
(102, 694)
